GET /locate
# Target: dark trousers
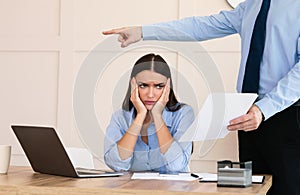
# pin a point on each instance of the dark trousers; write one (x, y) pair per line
(274, 148)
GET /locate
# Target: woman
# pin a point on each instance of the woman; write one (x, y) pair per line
(144, 134)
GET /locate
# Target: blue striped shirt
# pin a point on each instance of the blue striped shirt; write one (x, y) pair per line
(147, 157)
(279, 85)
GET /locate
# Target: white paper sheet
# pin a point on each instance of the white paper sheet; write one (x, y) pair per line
(213, 177)
(206, 177)
(218, 109)
(157, 176)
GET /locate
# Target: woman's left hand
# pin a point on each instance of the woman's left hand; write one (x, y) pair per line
(163, 100)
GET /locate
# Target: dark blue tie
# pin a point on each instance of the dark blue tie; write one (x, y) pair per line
(251, 76)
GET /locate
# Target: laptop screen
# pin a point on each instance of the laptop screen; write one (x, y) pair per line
(44, 150)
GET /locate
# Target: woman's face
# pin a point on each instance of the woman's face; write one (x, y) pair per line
(150, 87)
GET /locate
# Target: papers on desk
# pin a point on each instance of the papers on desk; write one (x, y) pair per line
(213, 177)
(213, 118)
(258, 179)
(208, 177)
(203, 177)
(158, 176)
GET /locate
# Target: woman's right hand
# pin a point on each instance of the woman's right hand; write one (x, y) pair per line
(135, 99)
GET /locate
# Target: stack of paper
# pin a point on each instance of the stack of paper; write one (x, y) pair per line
(205, 177)
(178, 177)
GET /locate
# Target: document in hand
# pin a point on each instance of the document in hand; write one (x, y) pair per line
(213, 118)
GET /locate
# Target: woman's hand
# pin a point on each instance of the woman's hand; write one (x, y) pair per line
(164, 136)
(135, 99)
(163, 100)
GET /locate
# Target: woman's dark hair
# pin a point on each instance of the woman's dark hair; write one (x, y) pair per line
(156, 64)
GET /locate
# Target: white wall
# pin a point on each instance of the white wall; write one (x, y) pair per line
(44, 42)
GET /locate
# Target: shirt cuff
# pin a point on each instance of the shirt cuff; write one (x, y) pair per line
(175, 158)
(173, 151)
(148, 32)
(114, 161)
(266, 107)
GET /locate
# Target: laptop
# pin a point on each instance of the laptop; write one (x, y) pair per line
(47, 154)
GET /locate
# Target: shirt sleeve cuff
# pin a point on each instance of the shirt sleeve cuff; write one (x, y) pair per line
(114, 160)
(148, 32)
(173, 151)
(266, 107)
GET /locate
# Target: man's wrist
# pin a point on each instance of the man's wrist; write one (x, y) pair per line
(262, 114)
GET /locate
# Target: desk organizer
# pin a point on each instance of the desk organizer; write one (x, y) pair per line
(234, 174)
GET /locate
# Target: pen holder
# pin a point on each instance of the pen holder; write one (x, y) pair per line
(234, 174)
